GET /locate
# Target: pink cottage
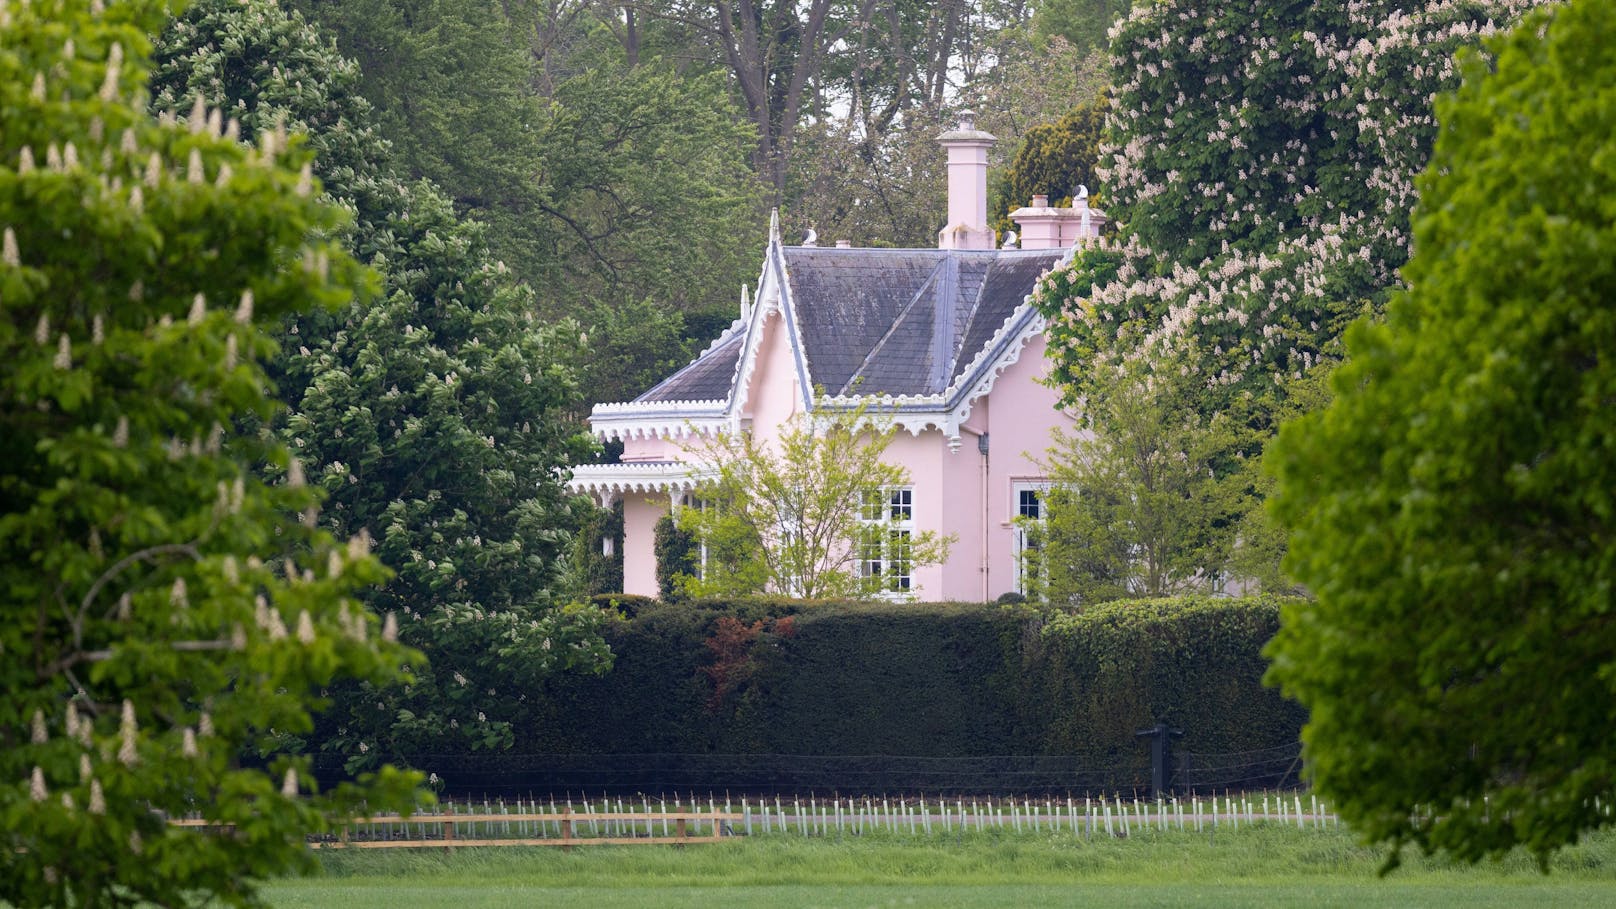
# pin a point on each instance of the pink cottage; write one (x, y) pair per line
(943, 339)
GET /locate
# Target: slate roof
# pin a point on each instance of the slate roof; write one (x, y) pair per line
(707, 378)
(881, 321)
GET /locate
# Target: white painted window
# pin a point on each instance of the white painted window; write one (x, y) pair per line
(886, 532)
(1027, 502)
(699, 563)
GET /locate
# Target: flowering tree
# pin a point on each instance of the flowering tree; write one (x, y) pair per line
(1452, 509)
(1263, 173)
(164, 606)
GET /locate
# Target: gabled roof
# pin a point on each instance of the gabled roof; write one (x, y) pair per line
(890, 322)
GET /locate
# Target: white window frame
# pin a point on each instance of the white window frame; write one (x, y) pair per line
(689, 500)
(1019, 519)
(885, 554)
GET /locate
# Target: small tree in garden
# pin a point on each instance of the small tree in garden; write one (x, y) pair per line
(1454, 508)
(1144, 498)
(163, 606)
(803, 514)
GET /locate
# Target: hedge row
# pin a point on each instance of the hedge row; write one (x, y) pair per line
(925, 680)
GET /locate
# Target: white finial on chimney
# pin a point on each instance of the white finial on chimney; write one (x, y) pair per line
(1011, 239)
(812, 239)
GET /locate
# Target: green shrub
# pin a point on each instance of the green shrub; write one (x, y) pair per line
(676, 552)
(927, 680)
(1192, 662)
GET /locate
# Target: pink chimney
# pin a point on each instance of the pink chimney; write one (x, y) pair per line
(967, 226)
(1043, 227)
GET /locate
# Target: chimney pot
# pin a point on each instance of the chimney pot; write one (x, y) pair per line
(1040, 201)
(844, 244)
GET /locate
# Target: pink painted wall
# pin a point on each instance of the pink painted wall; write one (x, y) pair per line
(1020, 419)
(956, 493)
(774, 395)
(652, 450)
(640, 514)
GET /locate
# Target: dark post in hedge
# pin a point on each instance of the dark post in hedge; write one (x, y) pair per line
(1161, 737)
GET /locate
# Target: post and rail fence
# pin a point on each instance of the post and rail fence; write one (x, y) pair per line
(648, 821)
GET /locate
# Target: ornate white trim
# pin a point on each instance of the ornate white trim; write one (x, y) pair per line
(773, 296)
(607, 482)
(764, 303)
(646, 421)
(978, 378)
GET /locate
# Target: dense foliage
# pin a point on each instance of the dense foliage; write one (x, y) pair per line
(429, 415)
(165, 607)
(939, 680)
(677, 554)
(1193, 662)
(600, 179)
(1054, 160)
(1452, 510)
(1146, 500)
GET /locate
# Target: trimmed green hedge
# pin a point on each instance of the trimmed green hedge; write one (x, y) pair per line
(1193, 662)
(941, 680)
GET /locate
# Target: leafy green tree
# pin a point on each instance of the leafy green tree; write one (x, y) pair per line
(434, 416)
(164, 606)
(795, 515)
(450, 80)
(1452, 508)
(1054, 160)
(598, 180)
(1082, 22)
(1144, 497)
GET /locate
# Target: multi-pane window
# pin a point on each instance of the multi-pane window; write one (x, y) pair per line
(885, 545)
(698, 559)
(1029, 520)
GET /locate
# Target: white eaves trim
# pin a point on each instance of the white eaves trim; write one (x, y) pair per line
(607, 482)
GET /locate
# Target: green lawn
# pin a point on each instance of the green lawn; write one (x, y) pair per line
(1265, 866)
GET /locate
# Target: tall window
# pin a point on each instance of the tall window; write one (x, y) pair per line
(1029, 524)
(697, 558)
(886, 555)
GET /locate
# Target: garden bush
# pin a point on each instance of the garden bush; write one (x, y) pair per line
(1193, 662)
(926, 680)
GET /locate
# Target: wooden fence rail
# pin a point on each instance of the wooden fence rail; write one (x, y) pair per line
(568, 821)
(717, 823)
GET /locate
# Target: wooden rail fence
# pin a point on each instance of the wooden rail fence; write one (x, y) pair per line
(687, 826)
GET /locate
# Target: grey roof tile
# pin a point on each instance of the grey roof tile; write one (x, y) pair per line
(707, 378)
(882, 321)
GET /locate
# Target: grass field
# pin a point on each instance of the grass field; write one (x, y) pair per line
(1265, 866)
